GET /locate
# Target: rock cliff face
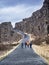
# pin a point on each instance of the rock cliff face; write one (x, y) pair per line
(38, 23)
(7, 34)
(5, 29)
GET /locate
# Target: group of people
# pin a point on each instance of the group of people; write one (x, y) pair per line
(26, 45)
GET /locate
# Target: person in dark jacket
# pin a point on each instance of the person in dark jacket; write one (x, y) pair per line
(30, 45)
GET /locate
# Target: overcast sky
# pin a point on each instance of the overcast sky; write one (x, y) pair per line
(16, 10)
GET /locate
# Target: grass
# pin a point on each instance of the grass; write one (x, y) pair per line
(42, 50)
(6, 49)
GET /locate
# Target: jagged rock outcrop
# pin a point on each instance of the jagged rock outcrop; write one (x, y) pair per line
(7, 34)
(5, 29)
(38, 23)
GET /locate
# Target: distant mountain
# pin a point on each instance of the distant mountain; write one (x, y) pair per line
(38, 23)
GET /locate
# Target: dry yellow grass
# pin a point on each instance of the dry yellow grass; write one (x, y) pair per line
(42, 50)
(7, 49)
(5, 53)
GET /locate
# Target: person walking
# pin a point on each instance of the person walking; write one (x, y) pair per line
(30, 45)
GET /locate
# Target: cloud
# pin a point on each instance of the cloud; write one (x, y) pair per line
(16, 13)
(11, 3)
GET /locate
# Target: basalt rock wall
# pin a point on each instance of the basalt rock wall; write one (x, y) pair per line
(38, 23)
